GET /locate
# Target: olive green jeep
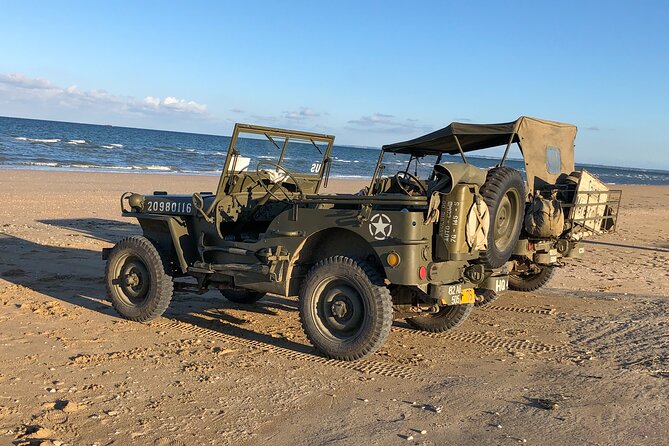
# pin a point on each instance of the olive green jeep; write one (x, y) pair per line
(422, 249)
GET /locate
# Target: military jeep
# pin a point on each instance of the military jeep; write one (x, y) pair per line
(422, 249)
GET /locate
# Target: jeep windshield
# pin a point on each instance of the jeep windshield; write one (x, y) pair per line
(295, 161)
(299, 152)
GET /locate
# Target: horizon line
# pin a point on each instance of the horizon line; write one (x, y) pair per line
(340, 145)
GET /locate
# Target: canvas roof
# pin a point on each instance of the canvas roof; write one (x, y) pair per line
(472, 136)
(533, 135)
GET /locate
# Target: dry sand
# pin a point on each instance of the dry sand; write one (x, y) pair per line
(585, 361)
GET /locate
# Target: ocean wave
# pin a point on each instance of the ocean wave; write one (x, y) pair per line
(96, 166)
(201, 172)
(91, 166)
(352, 177)
(37, 164)
(38, 140)
(77, 141)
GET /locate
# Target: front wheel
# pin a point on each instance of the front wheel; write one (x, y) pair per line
(446, 319)
(531, 281)
(345, 309)
(136, 281)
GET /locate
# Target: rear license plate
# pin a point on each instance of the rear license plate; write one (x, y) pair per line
(465, 296)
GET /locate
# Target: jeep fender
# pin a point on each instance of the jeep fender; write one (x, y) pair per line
(170, 232)
(334, 241)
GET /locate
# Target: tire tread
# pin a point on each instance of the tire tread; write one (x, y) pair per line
(517, 283)
(384, 311)
(164, 284)
(449, 322)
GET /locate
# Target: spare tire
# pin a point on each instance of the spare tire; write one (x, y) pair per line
(504, 193)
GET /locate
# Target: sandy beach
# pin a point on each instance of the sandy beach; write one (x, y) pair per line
(584, 361)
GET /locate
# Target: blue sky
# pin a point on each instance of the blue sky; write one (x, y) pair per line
(368, 72)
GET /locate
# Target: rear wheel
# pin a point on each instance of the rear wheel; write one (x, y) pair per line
(136, 281)
(504, 193)
(485, 297)
(447, 318)
(241, 296)
(345, 309)
(532, 280)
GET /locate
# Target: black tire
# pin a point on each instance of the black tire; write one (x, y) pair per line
(485, 297)
(504, 193)
(531, 281)
(136, 281)
(240, 296)
(345, 309)
(448, 318)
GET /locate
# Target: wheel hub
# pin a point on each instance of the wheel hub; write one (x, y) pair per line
(504, 220)
(133, 279)
(339, 308)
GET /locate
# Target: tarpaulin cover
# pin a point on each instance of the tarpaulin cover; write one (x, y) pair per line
(537, 138)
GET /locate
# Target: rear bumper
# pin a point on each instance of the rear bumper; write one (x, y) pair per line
(455, 293)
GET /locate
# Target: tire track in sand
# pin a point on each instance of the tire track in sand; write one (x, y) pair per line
(365, 366)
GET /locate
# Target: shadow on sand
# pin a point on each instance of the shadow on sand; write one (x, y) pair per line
(619, 245)
(75, 276)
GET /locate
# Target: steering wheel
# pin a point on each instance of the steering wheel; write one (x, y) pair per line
(403, 178)
(270, 190)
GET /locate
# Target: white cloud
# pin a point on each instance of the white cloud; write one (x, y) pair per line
(309, 112)
(172, 104)
(20, 88)
(385, 123)
(23, 82)
(302, 114)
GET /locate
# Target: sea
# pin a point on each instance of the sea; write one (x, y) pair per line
(52, 145)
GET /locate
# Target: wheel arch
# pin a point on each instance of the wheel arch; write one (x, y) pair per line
(327, 243)
(171, 233)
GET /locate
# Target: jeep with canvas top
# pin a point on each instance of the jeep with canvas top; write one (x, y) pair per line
(423, 247)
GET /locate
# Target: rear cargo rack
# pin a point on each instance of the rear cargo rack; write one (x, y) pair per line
(591, 212)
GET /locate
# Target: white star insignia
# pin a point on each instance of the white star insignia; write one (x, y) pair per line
(380, 226)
